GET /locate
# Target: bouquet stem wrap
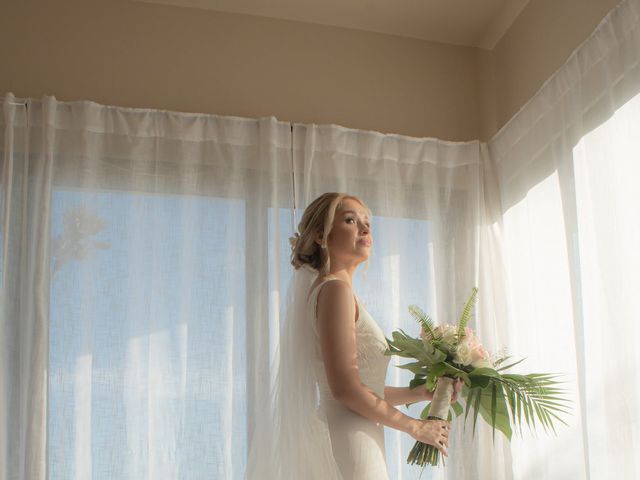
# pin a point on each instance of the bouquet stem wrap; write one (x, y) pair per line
(421, 453)
(441, 398)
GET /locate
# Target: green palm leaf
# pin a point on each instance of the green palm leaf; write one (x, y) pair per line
(494, 411)
(504, 401)
(533, 397)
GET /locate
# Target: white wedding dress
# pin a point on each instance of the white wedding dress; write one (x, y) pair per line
(357, 442)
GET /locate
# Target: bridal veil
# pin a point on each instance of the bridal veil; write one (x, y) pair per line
(291, 439)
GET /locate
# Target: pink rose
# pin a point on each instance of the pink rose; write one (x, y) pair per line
(479, 357)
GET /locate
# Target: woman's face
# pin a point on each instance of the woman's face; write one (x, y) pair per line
(350, 237)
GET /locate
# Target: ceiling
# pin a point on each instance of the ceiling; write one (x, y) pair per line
(473, 23)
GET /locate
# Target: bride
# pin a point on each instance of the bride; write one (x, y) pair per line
(325, 416)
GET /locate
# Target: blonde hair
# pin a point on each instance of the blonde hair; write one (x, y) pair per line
(317, 218)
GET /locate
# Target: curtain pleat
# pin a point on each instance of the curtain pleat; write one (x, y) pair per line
(565, 166)
(134, 294)
(434, 205)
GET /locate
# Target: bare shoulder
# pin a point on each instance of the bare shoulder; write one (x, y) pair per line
(334, 291)
(336, 301)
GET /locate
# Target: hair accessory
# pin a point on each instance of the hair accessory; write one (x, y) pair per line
(294, 240)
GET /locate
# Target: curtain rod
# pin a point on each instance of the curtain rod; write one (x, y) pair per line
(14, 103)
(25, 103)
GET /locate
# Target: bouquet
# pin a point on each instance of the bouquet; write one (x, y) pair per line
(444, 353)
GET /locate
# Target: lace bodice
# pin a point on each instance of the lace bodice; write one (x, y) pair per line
(370, 344)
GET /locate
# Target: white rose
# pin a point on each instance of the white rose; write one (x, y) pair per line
(482, 364)
(480, 357)
(448, 333)
(463, 354)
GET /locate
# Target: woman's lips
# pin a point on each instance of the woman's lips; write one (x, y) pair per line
(365, 242)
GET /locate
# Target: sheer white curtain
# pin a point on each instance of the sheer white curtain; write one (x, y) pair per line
(144, 262)
(568, 172)
(134, 288)
(433, 222)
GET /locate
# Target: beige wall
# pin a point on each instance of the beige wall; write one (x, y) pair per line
(143, 55)
(134, 54)
(538, 43)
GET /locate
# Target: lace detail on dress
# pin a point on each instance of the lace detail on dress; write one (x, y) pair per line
(371, 345)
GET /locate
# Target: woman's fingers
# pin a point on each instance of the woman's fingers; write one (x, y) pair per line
(457, 386)
(443, 443)
(445, 436)
(442, 449)
(436, 433)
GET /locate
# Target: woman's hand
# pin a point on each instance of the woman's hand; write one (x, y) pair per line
(432, 432)
(457, 387)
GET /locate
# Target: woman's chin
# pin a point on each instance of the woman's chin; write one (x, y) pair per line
(364, 255)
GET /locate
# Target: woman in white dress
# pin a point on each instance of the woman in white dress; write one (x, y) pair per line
(330, 402)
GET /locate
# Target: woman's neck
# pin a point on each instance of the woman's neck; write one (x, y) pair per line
(343, 274)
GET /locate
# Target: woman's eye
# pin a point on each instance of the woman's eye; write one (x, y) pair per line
(350, 219)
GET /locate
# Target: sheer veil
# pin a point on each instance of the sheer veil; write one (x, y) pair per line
(291, 439)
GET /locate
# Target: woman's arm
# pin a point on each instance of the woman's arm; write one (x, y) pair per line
(336, 328)
(405, 395)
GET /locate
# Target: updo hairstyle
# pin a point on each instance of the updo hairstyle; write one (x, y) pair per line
(317, 218)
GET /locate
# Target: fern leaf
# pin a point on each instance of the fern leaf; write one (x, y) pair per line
(424, 320)
(466, 313)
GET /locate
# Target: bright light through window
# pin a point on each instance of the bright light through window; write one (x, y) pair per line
(147, 306)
